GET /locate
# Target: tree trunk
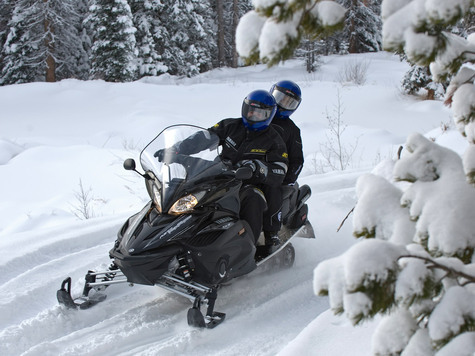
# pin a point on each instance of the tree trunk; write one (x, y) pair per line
(430, 94)
(234, 62)
(221, 49)
(50, 62)
(353, 45)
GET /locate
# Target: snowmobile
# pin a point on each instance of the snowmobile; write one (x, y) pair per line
(189, 239)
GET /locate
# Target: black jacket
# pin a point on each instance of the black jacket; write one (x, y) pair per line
(239, 144)
(265, 146)
(290, 133)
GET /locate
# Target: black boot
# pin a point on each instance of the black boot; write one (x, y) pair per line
(272, 241)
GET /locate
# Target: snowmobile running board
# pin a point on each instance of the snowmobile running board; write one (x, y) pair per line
(286, 235)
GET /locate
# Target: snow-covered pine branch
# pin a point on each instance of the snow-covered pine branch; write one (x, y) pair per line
(425, 208)
(419, 28)
(273, 30)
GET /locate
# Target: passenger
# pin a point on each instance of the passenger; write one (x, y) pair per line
(288, 96)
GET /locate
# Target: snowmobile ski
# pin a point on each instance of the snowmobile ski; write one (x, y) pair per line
(87, 300)
(82, 302)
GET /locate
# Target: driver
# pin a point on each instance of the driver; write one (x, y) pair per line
(251, 141)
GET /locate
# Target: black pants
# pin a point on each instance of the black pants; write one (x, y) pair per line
(253, 206)
(273, 216)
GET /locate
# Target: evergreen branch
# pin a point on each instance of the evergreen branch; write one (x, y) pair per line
(449, 270)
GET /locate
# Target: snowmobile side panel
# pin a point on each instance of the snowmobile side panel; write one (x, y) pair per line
(229, 256)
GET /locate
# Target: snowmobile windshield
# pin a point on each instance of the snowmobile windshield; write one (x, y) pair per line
(179, 158)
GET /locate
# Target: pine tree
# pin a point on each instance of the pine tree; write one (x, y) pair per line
(309, 50)
(419, 77)
(113, 54)
(6, 9)
(362, 27)
(362, 31)
(232, 12)
(149, 29)
(186, 48)
(42, 42)
(83, 66)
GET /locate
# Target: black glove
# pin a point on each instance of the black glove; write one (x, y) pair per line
(259, 169)
(160, 154)
(247, 163)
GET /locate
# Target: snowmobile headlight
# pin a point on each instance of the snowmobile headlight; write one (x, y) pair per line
(157, 197)
(185, 204)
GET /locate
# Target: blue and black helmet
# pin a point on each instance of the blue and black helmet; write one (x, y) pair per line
(258, 110)
(287, 96)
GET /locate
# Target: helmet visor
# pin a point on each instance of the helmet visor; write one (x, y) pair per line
(255, 111)
(285, 99)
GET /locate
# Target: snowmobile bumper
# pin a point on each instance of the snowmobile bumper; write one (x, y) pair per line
(144, 269)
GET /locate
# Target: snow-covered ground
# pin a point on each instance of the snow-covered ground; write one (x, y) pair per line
(59, 139)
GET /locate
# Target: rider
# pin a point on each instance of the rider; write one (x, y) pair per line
(251, 141)
(288, 96)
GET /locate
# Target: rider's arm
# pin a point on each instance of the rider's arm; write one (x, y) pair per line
(271, 170)
(198, 142)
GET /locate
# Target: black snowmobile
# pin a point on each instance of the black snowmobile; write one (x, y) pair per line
(189, 239)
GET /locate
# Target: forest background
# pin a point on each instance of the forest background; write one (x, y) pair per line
(125, 40)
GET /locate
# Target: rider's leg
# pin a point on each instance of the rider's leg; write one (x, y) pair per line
(253, 204)
(272, 221)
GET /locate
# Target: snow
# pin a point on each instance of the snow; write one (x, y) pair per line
(277, 35)
(445, 218)
(379, 206)
(394, 333)
(247, 37)
(56, 137)
(441, 9)
(329, 13)
(449, 316)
